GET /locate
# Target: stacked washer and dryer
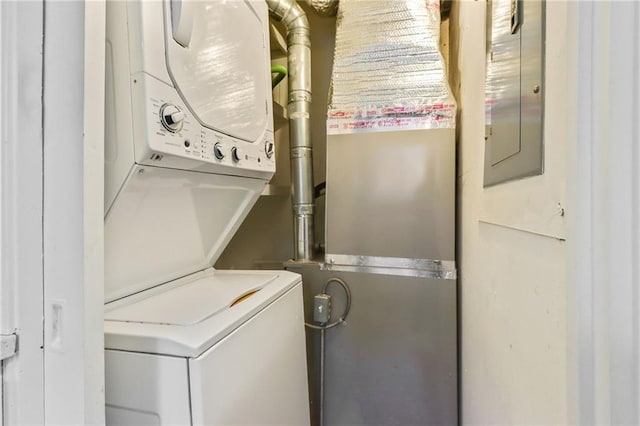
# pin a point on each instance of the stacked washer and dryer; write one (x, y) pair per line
(189, 148)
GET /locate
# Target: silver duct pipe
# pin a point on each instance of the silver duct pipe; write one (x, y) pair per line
(299, 108)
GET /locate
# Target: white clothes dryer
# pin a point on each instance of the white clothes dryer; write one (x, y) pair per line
(189, 149)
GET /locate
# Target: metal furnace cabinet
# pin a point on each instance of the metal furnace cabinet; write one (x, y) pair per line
(390, 227)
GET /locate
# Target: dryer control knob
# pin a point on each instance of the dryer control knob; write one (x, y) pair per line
(219, 150)
(269, 148)
(236, 154)
(171, 117)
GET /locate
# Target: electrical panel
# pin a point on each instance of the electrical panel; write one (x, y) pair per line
(514, 90)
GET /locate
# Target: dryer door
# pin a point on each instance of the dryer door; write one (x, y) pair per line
(218, 59)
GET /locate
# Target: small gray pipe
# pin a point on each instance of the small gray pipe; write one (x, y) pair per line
(299, 109)
(322, 375)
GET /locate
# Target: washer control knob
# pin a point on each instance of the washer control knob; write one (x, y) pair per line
(269, 148)
(171, 117)
(219, 150)
(236, 154)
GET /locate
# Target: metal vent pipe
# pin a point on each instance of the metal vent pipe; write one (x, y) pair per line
(299, 108)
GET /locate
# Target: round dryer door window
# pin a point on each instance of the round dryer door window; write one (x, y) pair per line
(217, 56)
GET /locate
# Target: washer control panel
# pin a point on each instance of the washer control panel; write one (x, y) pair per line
(171, 117)
(170, 134)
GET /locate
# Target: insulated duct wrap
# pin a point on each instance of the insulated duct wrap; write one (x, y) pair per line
(324, 7)
(388, 73)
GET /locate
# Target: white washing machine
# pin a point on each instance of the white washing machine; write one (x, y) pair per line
(189, 148)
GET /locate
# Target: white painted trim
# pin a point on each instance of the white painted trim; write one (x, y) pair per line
(93, 194)
(604, 241)
(21, 281)
(73, 211)
(3, 204)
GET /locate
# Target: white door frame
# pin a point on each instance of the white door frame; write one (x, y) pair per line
(604, 242)
(74, 82)
(51, 210)
(21, 245)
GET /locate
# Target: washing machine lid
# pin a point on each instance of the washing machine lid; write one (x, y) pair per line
(189, 315)
(167, 223)
(218, 59)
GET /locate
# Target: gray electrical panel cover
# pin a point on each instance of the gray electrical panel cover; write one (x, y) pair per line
(514, 90)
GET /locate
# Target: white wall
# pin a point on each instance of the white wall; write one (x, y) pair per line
(511, 246)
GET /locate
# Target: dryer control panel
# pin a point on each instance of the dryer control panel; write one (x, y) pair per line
(167, 134)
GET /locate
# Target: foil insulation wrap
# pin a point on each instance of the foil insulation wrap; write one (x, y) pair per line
(388, 72)
(324, 7)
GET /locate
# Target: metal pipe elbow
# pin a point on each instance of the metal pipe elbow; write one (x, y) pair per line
(289, 13)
